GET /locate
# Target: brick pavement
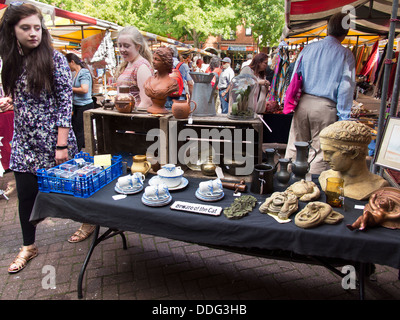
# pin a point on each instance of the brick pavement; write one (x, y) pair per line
(155, 268)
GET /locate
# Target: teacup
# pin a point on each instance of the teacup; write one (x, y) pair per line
(170, 175)
(170, 169)
(211, 187)
(156, 192)
(134, 180)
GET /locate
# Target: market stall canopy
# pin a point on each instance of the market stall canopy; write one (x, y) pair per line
(307, 19)
(67, 28)
(180, 45)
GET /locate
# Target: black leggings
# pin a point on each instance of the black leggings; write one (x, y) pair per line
(27, 189)
(77, 123)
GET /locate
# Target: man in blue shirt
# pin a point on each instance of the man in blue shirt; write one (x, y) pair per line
(328, 71)
(184, 70)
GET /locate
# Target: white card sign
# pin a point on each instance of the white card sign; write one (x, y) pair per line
(196, 208)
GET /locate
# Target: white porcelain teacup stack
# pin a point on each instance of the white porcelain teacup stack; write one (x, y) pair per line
(210, 190)
(131, 183)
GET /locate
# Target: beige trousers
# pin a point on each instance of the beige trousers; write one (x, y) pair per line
(311, 116)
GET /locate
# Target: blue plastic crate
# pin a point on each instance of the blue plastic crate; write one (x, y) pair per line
(82, 187)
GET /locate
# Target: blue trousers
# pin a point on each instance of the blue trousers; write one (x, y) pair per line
(224, 101)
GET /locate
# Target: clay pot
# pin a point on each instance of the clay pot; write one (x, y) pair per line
(107, 104)
(181, 108)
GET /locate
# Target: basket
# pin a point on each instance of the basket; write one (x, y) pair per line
(79, 186)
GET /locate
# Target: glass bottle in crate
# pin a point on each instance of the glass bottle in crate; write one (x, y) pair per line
(242, 97)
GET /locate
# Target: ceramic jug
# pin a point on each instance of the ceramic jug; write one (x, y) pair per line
(262, 181)
(181, 108)
(283, 175)
(301, 165)
(140, 164)
(270, 154)
(203, 93)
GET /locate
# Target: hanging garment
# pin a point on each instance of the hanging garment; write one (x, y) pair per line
(371, 61)
(392, 76)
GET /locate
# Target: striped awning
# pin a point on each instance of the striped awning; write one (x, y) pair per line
(307, 19)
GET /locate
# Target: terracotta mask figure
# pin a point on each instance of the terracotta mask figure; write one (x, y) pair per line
(382, 209)
(345, 146)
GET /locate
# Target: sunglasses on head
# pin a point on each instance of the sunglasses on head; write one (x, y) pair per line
(16, 3)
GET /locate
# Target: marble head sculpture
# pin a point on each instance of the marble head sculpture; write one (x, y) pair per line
(345, 147)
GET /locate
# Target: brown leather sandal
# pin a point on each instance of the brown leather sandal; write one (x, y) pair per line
(26, 253)
(82, 233)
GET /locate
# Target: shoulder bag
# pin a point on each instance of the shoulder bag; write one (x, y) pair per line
(293, 92)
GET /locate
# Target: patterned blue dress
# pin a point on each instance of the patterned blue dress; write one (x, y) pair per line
(37, 118)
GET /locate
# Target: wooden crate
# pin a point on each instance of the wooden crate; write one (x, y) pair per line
(108, 131)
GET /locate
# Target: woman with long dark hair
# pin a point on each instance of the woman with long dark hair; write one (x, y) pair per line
(38, 80)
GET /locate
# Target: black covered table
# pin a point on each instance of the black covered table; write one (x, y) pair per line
(255, 233)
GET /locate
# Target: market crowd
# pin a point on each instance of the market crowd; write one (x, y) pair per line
(49, 92)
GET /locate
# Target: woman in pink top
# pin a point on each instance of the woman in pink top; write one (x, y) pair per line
(136, 67)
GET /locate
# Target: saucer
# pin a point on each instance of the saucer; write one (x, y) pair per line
(152, 203)
(156, 180)
(128, 190)
(203, 197)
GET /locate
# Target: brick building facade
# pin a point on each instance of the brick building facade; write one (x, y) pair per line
(236, 47)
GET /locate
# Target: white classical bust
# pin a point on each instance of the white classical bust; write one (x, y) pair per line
(345, 146)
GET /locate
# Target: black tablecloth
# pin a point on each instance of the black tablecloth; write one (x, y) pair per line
(375, 245)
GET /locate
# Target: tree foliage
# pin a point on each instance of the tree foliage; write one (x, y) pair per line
(194, 20)
(187, 20)
(266, 18)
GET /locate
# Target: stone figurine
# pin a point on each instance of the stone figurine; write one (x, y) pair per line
(161, 85)
(305, 190)
(345, 146)
(282, 204)
(315, 214)
(382, 209)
